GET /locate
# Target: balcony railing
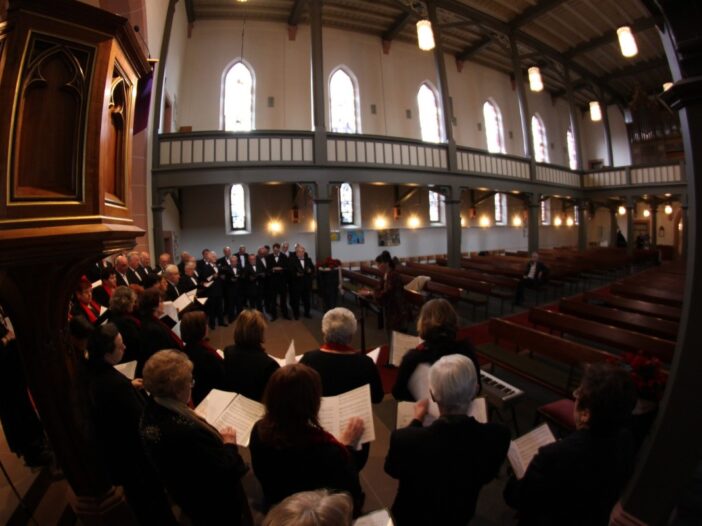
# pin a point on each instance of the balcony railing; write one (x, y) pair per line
(183, 151)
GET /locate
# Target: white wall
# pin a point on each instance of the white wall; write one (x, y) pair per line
(174, 64)
(593, 139)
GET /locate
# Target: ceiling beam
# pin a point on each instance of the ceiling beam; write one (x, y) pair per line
(607, 38)
(635, 69)
(397, 26)
(533, 12)
(475, 48)
(296, 12)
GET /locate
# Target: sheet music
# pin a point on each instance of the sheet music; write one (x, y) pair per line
(522, 450)
(336, 411)
(202, 301)
(405, 412)
(401, 343)
(373, 355)
(241, 414)
(96, 284)
(182, 302)
(290, 354)
(170, 310)
(214, 405)
(220, 352)
(128, 369)
(191, 294)
(376, 518)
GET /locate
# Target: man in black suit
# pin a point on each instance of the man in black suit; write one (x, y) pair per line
(121, 268)
(214, 292)
(578, 480)
(133, 275)
(184, 258)
(242, 257)
(188, 281)
(231, 273)
(277, 265)
(535, 274)
(262, 259)
(202, 263)
(172, 276)
(163, 261)
(145, 265)
(226, 255)
(252, 282)
(301, 271)
(441, 468)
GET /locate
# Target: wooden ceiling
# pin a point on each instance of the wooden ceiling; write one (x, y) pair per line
(550, 33)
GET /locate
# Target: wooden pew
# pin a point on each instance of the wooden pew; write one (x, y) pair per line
(609, 335)
(564, 359)
(643, 307)
(632, 321)
(642, 292)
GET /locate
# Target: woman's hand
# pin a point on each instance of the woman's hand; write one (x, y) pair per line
(352, 433)
(421, 409)
(138, 383)
(228, 435)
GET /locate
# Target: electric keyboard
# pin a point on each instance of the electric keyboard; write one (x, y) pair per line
(498, 392)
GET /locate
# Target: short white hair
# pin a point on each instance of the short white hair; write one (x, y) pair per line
(171, 270)
(453, 382)
(339, 326)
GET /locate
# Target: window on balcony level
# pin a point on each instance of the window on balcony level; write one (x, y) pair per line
(538, 132)
(429, 114)
(343, 103)
(239, 98)
(493, 127)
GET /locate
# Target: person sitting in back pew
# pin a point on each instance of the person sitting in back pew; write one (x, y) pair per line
(437, 325)
(535, 274)
(577, 480)
(442, 468)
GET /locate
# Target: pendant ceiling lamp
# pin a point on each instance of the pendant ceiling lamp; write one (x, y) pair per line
(425, 35)
(595, 111)
(535, 82)
(627, 42)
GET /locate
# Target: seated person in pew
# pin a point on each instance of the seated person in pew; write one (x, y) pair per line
(341, 367)
(199, 465)
(437, 325)
(312, 508)
(442, 468)
(290, 452)
(535, 274)
(247, 365)
(208, 366)
(116, 405)
(577, 480)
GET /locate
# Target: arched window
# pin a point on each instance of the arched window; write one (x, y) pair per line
(435, 203)
(239, 98)
(546, 212)
(500, 209)
(538, 131)
(576, 215)
(343, 103)
(429, 116)
(572, 150)
(346, 212)
(237, 206)
(493, 127)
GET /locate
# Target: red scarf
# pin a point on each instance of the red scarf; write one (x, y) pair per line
(92, 310)
(109, 290)
(337, 347)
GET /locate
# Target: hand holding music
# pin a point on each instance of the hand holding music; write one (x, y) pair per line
(228, 435)
(352, 433)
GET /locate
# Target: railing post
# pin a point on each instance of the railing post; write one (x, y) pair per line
(318, 98)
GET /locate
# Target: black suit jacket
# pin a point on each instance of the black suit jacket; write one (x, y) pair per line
(122, 281)
(143, 271)
(278, 275)
(187, 283)
(101, 296)
(172, 292)
(133, 277)
(130, 329)
(441, 468)
(575, 481)
(155, 336)
(300, 277)
(541, 273)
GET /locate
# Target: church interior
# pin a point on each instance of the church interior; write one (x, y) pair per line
(322, 180)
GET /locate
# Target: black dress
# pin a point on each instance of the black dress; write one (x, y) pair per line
(246, 371)
(208, 369)
(442, 468)
(155, 336)
(575, 481)
(319, 462)
(130, 329)
(436, 346)
(201, 473)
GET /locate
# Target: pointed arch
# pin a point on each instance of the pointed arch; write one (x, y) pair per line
(429, 113)
(238, 207)
(344, 113)
(494, 131)
(538, 132)
(238, 96)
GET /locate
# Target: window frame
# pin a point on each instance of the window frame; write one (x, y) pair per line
(545, 215)
(246, 229)
(500, 202)
(498, 124)
(223, 97)
(342, 223)
(543, 135)
(356, 98)
(437, 104)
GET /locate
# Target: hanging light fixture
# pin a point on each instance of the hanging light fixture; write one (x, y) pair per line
(627, 42)
(535, 82)
(425, 35)
(595, 111)
(667, 86)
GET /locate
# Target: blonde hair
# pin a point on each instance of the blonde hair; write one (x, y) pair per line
(249, 328)
(436, 313)
(312, 508)
(168, 373)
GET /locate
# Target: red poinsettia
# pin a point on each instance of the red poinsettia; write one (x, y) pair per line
(647, 373)
(329, 262)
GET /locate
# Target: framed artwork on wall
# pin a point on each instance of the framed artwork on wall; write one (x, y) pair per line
(355, 237)
(389, 237)
(334, 235)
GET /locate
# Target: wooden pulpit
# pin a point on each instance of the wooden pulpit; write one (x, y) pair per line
(68, 81)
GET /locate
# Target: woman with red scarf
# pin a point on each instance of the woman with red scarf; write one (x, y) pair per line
(290, 452)
(103, 292)
(208, 366)
(83, 303)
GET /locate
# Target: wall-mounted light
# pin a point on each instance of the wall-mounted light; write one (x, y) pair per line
(535, 82)
(413, 221)
(313, 225)
(484, 221)
(621, 210)
(380, 222)
(517, 221)
(569, 221)
(425, 35)
(595, 111)
(275, 226)
(557, 221)
(463, 221)
(668, 209)
(667, 86)
(627, 42)
(646, 212)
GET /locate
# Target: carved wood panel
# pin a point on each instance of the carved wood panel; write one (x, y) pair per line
(116, 143)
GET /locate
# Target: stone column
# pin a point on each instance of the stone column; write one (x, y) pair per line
(630, 238)
(654, 224)
(534, 222)
(319, 100)
(524, 115)
(322, 236)
(453, 226)
(582, 226)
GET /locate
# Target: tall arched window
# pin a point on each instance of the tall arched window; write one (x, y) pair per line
(346, 212)
(493, 127)
(500, 208)
(343, 103)
(538, 131)
(237, 206)
(429, 115)
(546, 212)
(572, 150)
(239, 98)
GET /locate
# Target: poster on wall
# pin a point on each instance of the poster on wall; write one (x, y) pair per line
(389, 237)
(355, 237)
(334, 235)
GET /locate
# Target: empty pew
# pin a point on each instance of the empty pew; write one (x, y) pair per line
(642, 292)
(665, 312)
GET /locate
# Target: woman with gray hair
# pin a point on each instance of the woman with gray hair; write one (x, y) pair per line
(199, 465)
(442, 468)
(312, 508)
(341, 367)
